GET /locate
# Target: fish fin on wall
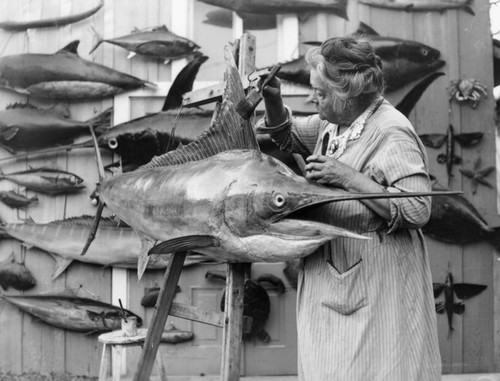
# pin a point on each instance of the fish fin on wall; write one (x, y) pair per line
(9, 150)
(72, 48)
(468, 139)
(468, 8)
(186, 243)
(440, 307)
(433, 140)
(61, 265)
(406, 105)
(228, 130)
(459, 308)
(438, 289)
(183, 83)
(29, 220)
(467, 290)
(366, 29)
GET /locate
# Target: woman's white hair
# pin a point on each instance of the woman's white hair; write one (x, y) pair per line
(350, 69)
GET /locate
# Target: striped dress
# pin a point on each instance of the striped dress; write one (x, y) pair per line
(365, 308)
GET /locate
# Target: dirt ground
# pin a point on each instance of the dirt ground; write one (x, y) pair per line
(44, 377)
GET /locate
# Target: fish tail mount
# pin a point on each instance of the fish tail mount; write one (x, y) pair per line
(99, 38)
(183, 83)
(228, 130)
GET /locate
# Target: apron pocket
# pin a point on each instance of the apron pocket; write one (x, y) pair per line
(346, 291)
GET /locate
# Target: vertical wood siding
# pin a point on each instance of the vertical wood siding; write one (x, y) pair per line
(465, 44)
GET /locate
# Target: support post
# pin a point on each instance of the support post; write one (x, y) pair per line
(160, 315)
(233, 325)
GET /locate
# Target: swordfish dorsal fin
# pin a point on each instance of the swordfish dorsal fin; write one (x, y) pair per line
(72, 48)
(228, 130)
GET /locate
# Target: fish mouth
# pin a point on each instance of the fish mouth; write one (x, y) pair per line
(436, 64)
(300, 230)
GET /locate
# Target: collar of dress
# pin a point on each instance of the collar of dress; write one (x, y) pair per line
(337, 144)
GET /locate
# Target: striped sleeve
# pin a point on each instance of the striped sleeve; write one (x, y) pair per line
(401, 165)
(298, 135)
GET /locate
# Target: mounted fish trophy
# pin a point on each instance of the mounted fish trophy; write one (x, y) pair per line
(221, 196)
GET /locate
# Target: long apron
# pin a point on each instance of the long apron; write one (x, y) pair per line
(365, 309)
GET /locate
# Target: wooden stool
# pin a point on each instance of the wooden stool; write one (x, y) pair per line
(116, 340)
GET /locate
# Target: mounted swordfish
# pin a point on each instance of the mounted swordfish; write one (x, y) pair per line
(221, 196)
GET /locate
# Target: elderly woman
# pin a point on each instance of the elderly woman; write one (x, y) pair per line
(365, 309)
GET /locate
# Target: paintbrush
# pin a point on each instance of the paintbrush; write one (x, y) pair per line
(247, 106)
(124, 316)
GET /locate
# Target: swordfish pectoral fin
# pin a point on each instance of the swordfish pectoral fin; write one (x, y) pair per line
(186, 243)
(142, 262)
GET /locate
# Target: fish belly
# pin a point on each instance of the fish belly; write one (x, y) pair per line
(168, 202)
(73, 89)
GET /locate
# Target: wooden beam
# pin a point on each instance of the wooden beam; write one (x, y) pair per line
(159, 318)
(233, 327)
(200, 315)
(246, 61)
(204, 96)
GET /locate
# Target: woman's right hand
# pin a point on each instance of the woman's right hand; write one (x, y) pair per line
(275, 110)
(272, 89)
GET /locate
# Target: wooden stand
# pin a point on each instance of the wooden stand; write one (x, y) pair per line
(232, 321)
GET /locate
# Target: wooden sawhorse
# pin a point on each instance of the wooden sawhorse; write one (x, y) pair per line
(231, 321)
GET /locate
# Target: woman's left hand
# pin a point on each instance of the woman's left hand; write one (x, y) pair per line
(329, 171)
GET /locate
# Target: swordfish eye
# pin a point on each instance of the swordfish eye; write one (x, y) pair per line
(279, 200)
(424, 52)
(113, 143)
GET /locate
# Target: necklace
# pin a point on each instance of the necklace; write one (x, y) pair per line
(335, 146)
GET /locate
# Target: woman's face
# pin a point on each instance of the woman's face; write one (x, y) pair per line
(322, 98)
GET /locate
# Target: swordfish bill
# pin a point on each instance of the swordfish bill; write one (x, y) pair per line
(222, 197)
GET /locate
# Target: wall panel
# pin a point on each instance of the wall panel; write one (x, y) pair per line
(465, 44)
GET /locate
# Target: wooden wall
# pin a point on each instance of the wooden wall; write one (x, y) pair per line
(465, 44)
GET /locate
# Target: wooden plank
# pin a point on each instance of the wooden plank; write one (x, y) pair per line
(180, 26)
(233, 327)
(200, 315)
(44, 346)
(478, 331)
(163, 304)
(204, 96)
(246, 61)
(12, 320)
